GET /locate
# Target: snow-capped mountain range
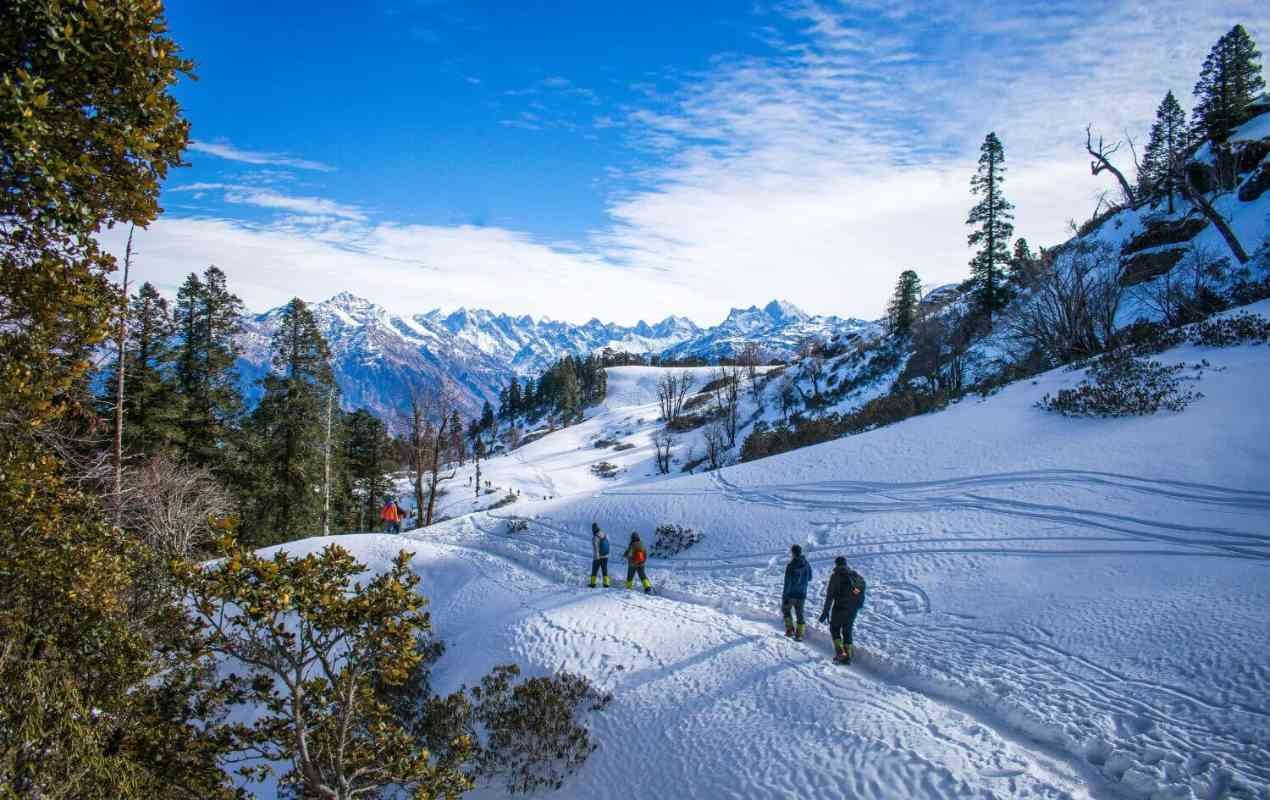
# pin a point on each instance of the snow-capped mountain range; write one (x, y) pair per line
(377, 354)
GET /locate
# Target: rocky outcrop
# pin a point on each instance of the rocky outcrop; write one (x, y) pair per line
(1148, 266)
(1165, 232)
(1256, 185)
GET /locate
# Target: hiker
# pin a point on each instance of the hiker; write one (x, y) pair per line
(843, 599)
(794, 595)
(599, 554)
(635, 557)
(391, 515)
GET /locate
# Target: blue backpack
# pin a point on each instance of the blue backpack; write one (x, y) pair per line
(604, 547)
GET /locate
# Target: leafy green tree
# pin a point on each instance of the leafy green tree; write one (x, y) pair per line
(288, 431)
(902, 311)
(1165, 151)
(317, 645)
(208, 319)
(992, 217)
(1228, 83)
(100, 681)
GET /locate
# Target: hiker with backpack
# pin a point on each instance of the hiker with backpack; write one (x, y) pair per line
(636, 556)
(599, 554)
(794, 595)
(843, 600)
(391, 515)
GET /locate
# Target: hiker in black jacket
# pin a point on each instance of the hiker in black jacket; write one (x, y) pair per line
(843, 599)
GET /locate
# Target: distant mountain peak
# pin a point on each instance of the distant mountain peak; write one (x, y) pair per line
(783, 310)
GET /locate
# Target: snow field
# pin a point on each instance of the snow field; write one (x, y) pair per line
(1057, 607)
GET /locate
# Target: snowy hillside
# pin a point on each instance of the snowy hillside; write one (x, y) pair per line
(1084, 615)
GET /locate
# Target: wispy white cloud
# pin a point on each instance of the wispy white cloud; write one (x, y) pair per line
(269, 198)
(229, 152)
(815, 171)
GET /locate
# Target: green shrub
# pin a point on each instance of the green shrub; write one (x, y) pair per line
(1120, 384)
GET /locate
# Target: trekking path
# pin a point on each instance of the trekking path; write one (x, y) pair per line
(709, 704)
(1056, 607)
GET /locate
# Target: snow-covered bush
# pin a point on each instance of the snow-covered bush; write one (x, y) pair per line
(673, 539)
(1243, 328)
(620, 446)
(517, 525)
(1120, 384)
(604, 469)
(505, 500)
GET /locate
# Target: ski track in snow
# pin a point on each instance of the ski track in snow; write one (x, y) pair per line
(1084, 617)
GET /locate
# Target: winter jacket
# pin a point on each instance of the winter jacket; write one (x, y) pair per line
(635, 553)
(841, 596)
(797, 576)
(391, 513)
(599, 545)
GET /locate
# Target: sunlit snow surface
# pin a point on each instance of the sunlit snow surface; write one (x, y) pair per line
(1057, 607)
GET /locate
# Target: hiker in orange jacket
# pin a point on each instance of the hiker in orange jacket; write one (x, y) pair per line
(635, 556)
(391, 515)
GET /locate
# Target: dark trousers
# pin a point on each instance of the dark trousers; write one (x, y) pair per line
(794, 605)
(598, 564)
(841, 623)
(631, 569)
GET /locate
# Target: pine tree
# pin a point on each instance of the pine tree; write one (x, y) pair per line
(288, 431)
(993, 215)
(487, 417)
(153, 407)
(208, 319)
(567, 399)
(1165, 151)
(513, 399)
(364, 459)
(1228, 83)
(902, 311)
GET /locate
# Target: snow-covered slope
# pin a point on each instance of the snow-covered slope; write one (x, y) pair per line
(1057, 607)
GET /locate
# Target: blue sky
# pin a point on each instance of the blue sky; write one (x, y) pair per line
(631, 160)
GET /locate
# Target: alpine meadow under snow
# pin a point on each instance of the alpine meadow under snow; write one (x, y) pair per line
(1009, 539)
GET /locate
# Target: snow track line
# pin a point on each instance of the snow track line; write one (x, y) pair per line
(1043, 750)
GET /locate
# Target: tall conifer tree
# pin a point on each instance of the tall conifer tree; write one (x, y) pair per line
(288, 430)
(208, 320)
(1228, 83)
(902, 311)
(992, 217)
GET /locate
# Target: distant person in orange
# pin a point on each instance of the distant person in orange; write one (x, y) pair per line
(636, 556)
(391, 515)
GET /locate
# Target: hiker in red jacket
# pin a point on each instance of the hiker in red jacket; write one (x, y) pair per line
(635, 556)
(391, 515)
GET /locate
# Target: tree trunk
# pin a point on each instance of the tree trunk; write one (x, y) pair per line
(326, 482)
(1206, 208)
(119, 380)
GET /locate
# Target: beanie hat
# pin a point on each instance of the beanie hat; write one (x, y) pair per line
(595, 527)
(840, 561)
(796, 550)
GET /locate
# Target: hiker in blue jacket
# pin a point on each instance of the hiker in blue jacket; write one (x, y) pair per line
(599, 554)
(794, 595)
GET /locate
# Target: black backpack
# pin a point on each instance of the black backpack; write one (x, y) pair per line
(851, 591)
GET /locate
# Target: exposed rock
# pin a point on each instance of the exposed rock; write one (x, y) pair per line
(1256, 185)
(1251, 154)
(1165, 232)
(1202, 176)
(1149, 266)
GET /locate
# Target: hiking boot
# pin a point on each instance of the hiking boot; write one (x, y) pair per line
(630, 584)
(648, 587)
(789, 631)
(607, 583)
(800, 632)
(592, 584)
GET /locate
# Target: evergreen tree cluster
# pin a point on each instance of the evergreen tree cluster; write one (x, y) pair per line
(565, 388)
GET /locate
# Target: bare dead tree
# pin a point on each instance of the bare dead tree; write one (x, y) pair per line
(431, 414)
(715, 438)
(748, 359)
(1196, 198)
(120, 342)
(813, 365)
(727, 389)
(1102, 162)
(663, 442)
(1185, 293)
(1074, 303)
(672, 393)
(173, 507)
